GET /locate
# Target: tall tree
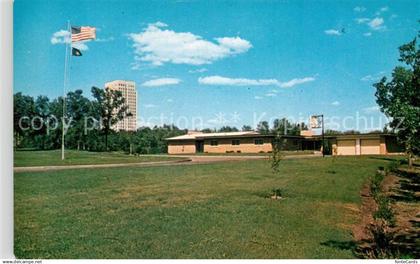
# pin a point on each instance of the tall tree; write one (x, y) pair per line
(110, 107)
(41, 119)
(246, 128)
(263, 127)
(23, 111)
(78, 108)
(285, 127)
(399, 98)
(208, 130)
(228, 129)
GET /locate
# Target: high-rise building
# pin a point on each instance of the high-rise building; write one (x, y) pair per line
(128, 90)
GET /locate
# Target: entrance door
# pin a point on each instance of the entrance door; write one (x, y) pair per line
(199, 146)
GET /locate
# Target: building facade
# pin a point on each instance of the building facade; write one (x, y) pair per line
(128, 90)
(254, 142)
(365, 144)
(228, 142)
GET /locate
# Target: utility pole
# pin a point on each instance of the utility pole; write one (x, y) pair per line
(314, 123)
(323, 139)
(65, 82)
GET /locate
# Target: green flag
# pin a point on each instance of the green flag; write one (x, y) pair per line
(75, 52)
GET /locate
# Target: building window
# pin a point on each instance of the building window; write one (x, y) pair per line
(259, 141)
(214, 143)
(236, 142)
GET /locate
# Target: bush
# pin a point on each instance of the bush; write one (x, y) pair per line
(375, 184)
(382, 237)
(384, 211)
(393, 166)
(275, 193)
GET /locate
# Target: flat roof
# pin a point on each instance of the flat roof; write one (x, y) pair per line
(200, 135)
(244, 134)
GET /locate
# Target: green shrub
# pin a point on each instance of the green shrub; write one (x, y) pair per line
(384, 211)
(375, 184)
(382, 238)
(393, 166)
(277, 192)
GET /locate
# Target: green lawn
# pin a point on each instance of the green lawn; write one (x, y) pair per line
(53, 158)
(196, 211)
(284, 153)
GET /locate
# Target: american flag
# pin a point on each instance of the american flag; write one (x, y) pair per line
(82, 33)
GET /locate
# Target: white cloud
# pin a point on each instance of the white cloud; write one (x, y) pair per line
(362, 20)
(371, 109)
(201, 70)
(169, 100)
(220, 80)
(373, 77)
(80, 45)
(235, 45)
(104, 39)
(297, 81)
(335, 103)
(161, 82)
(60, 37)
(332, 32)
(382, 10)
(158, 46)
(257, 97)
(149, 106)
(367, 78)
(377, 23)
(271, 94)
(359, 9)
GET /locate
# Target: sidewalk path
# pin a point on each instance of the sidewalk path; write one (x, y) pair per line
(187, 160)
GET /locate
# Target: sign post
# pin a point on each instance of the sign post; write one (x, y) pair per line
(317, 121)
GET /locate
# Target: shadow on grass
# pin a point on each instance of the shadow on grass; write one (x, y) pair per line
(343, 245)
(387, 158)
(403, 246)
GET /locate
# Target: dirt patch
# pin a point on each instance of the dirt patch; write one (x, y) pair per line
(360, 231)
(390, 184)
(406, 232)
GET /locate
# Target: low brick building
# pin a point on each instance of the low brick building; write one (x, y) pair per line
(254, 142)
(365, 144)
(229, 142)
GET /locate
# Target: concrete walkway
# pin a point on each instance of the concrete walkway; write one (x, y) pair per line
(187, 160)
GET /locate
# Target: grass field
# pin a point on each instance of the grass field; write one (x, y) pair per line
(196, 211)
(53, 158)
(284, 153)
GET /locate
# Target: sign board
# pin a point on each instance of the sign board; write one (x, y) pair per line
(315, 122)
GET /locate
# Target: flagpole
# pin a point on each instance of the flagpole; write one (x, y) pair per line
(66, 59)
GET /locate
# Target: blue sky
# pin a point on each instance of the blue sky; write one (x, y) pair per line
(222, 62)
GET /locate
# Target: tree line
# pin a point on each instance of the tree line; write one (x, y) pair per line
(38, 124)
(88, 124)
